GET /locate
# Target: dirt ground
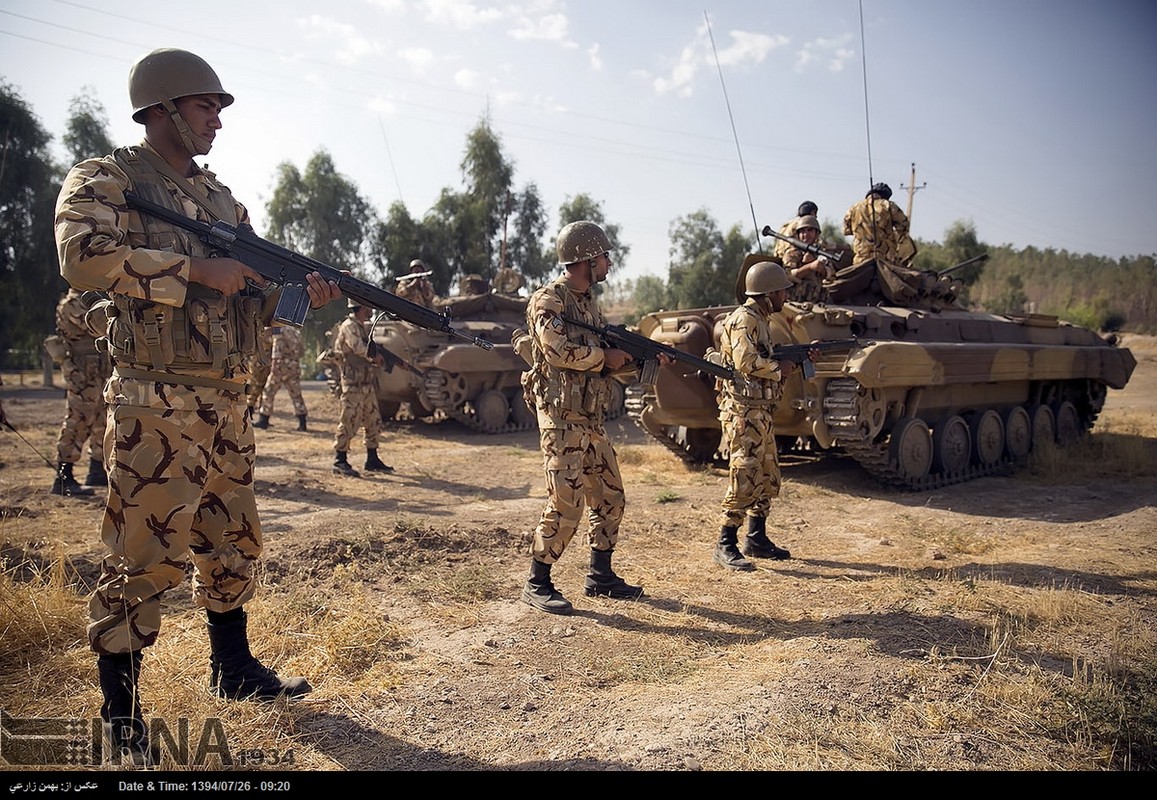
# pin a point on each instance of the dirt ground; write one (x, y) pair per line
(878, 646)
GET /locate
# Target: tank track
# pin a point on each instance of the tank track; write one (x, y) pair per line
(635, 404)
(841, 407)
(441, 394)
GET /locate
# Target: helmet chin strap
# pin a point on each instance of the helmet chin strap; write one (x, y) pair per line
(193, 143)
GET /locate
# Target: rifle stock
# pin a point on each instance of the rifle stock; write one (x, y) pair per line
(289, 270)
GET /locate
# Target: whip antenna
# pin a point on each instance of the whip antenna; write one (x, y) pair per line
(864, 68)
(733, 132)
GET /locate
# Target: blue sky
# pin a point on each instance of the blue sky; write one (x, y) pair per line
(1032, 119)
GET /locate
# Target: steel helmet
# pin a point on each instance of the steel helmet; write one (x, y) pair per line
(766, 277)
(580, 241)
(808, 222)
(882, 189)
(417, 264)
(166, 74)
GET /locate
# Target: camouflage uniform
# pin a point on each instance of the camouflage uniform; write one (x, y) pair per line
(570, 396)
(745, 412)
(259, 366)
(807, 287)
(782, 247)
(285, 369)
(359, 399)
(417, 290)
(85, 370)
(878, 226)
(179, 445)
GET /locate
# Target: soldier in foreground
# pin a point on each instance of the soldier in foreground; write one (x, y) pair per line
(568, 385)
(181, 328)
(353, 349)
(746, 408)
(284, 370)
(85, 370)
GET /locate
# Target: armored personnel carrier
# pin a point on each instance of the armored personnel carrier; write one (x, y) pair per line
(439, 376)
(931, 394)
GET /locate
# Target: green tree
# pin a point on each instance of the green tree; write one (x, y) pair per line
(30, 279)
(650, 295)
(524, 249)
(703, 262)
(321, 214)
(488, 177)
(87, 133)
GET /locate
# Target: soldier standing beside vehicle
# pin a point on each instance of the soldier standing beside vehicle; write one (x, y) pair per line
(181, 326)
(568, 385)
(85, 370)
(807, 270)
(354, 351)
(416, 286)
(284, 370)
(746, 408)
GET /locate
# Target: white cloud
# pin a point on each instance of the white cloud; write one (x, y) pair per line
(832, 52)
(595, 58)
(382, 105)
(390, 6)
(352, 45)
(546, 28)
(461, 14)
(745, 48)
(466, 78)
(419, 58)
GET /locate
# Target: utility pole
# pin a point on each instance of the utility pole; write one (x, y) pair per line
(912, 189)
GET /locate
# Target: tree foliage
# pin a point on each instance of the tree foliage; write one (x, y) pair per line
(30, 278)
(87, 129)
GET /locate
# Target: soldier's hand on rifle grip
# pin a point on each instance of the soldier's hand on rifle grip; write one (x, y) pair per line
(665, 359)
(614, 359)
(227, 275)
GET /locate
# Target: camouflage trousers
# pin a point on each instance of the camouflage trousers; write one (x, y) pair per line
(84, 419)
(287, 374)
(359, 409)
(180, 488)
(259, 374)
(753, 474)
(581, 468)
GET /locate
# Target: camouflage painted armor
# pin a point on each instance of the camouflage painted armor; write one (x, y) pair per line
(285, 370)
(878, 227)
(417, 290)
(179, 446)
(570, 396)
(85, 370)
(359, 399)
(745, 414)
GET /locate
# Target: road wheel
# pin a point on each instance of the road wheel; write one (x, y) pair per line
(911, 447)
(951, 445)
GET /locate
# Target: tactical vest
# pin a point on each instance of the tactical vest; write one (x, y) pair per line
(567, 394)
(750, 391)
(210, 333)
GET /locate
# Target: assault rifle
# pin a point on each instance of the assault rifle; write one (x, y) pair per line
(802, 245)
(646, 351)
(390, 359)
(801, 353)
(289, 270)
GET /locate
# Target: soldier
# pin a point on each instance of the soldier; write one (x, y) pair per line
(284, 370)
(359, 398)
(568, 385)
(508, 281)
(259, 364)
(878, 226)
(85, 370)
(807, 270)
(180, 329)
(472, 285)
(746, 408)
(416, 286)
(806, 208)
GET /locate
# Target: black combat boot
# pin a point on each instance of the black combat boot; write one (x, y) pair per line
(341, 466)
(374, 464)
(261, 422)
(66, 485)
(540, 592)
(236, 674)
(602, 580)
(301, 422)
(126, 739)
(96, 474)
(758, 545)
(726, 552)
